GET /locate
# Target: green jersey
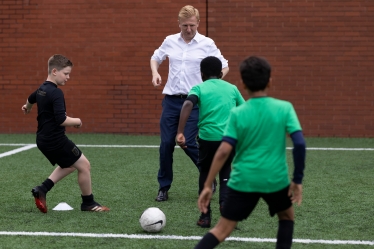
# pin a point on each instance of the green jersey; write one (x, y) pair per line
(259, 126)
(216, 98)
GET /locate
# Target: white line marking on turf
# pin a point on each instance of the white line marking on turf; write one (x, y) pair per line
(175, 237)
(344, 149)
(8, 153)
(157, 146)
(119, 146)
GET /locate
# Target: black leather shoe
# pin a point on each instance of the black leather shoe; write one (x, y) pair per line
(162, 195)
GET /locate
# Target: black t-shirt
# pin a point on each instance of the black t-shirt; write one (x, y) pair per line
(51, 114)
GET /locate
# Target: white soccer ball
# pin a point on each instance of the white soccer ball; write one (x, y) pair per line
(152, 220)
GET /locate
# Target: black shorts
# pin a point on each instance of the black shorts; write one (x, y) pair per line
(65, 156)
(207, 150)
(239, 205)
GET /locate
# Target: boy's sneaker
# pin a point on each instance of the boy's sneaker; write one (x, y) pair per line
(40, 198)
(96, 207)
(204, 220)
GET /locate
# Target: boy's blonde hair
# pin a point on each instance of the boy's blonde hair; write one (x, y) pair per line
(59, 62)
(189, 11)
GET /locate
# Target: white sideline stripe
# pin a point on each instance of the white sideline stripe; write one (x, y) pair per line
(175, 237)
(157, 146)
(119, 146)
(99, 145)
(26, 147)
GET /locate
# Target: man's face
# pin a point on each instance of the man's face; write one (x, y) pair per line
(61, 76)
(188, 27)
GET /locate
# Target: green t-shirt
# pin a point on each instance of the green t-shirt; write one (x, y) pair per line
(216, 98)
(260, 126)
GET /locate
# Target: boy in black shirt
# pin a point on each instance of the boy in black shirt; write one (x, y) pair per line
(51, 139)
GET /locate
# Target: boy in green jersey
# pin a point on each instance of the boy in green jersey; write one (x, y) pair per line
(257, 131)
(215, 98)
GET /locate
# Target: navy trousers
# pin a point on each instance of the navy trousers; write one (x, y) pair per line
(171, 107)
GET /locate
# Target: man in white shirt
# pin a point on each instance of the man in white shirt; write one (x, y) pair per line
(185, 51)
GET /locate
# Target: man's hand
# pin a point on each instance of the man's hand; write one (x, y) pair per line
(295, 192)
(156, 80)
(181, 140)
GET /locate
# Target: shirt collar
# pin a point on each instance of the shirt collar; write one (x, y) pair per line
(197, 37)
(50, 82)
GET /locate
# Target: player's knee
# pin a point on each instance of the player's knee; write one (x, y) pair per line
(88, 165)
(84, 166)
(168, 144)
(287, 214)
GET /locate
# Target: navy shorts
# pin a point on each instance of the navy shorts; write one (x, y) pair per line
(65, 156)
(239, 205)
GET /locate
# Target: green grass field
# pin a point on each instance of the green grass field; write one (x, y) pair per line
(338, 198)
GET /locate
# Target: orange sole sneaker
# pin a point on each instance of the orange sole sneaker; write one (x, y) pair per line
(40, 199)
(95, 208)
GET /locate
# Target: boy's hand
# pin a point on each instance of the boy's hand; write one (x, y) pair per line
(181, 140)
(295, 192)
(204, 199)
(25, 110)
(78, 126)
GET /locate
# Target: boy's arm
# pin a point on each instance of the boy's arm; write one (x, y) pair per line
(76, 122)
(184, 114)
(222, 153)
(26, 108)
(299, 152)
(31, 100)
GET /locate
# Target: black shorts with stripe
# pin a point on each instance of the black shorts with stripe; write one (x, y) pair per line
(239, 205)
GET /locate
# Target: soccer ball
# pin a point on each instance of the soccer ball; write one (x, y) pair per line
(152, 220)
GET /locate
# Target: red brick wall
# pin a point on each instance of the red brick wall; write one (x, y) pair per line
(322, 53)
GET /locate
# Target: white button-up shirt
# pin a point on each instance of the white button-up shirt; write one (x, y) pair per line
(184, 61)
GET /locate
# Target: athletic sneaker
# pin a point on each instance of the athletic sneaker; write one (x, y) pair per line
(96, 207)
(40, 198)
(204, 220)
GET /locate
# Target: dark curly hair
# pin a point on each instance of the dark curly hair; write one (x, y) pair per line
(211, 67)
(255, 72)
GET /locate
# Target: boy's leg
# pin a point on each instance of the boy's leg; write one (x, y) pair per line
(63, 155)
(207, 150)
(84, 175)
(40, 192)
(84, 180)
(218, 234)
(280, 203)
(238, 207)
(285, 228)
(224, 176)
(205, 219)
(60, 173)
